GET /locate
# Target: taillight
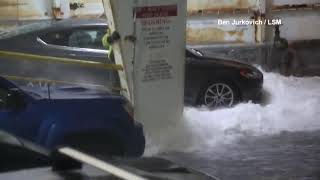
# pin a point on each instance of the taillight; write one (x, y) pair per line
(248, 74)
(129, 108)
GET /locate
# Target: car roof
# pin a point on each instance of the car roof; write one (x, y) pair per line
(45, 25)
(80, 22)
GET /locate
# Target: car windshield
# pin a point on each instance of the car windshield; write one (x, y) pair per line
(34, 94)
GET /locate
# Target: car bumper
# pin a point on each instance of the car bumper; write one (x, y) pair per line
(253, 95)
(136, 143)
(252, 90)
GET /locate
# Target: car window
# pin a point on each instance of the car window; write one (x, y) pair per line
(60, 38)
(80, 38)
(84, 38)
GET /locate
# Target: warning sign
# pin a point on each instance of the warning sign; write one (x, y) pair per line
(159, 61)
(157, 70)
(156, 25)
(156, 11)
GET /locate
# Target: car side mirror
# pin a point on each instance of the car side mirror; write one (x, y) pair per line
(15, 100)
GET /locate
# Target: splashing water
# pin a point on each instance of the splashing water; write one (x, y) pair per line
(293, 106)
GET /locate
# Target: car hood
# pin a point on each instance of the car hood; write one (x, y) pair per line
(227, 62)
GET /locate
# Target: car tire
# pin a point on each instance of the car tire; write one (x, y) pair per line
(100, 145)
(217, 94)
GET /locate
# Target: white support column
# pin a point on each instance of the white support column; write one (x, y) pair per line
(155, 63)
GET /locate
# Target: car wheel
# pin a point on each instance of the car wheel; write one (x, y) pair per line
(95, 144)
(219, 94)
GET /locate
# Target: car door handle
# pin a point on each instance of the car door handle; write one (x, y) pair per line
(72, 54)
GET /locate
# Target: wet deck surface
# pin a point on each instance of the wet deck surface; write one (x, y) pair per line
(294, 156)
(278, 139)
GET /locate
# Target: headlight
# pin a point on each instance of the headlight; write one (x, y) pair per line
(249, 74)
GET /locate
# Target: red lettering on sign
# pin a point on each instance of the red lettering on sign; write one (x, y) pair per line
(156, 11)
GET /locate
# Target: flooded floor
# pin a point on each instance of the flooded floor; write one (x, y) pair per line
(277, 139)
(287, 156)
